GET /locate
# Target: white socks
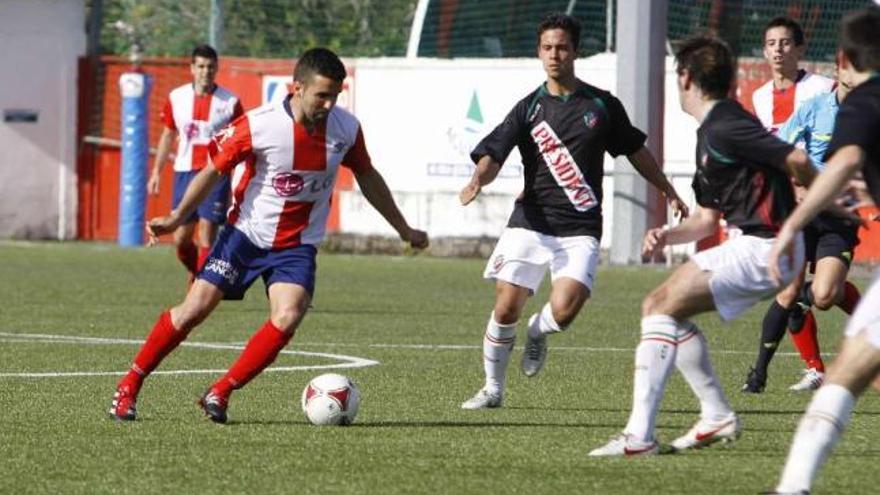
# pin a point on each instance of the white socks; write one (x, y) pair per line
(655, 356)
(692, 360)
(542, 323)
(497, 345)
(819, 429)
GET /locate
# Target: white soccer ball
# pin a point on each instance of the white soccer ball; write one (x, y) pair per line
(331, 399)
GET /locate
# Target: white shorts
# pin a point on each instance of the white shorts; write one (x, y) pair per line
(866, 317)
(739, 272)
(522, 257)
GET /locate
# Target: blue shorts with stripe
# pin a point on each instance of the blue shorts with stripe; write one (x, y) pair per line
(213, 208)
(235, 263)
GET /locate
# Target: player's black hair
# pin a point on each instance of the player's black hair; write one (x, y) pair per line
(787, 22)
(319, 61)
(710, 63)
(860, 38)
(564, 22)
(204, 51)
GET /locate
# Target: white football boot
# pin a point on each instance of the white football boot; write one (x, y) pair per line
(811, 380)
(485, 399)
(705, 433)
(623, 444)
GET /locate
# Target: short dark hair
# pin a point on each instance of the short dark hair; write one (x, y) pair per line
(787, 22)
(860, 38)
(710, 63)
(319, 61)
(204, 51)
(564, 22)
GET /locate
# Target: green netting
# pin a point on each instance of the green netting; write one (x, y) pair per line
(741, 23)
(503, 28)
(452, 28)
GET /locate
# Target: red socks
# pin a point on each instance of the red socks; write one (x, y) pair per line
(259, 353)
(189, 256)
(162, 340)
(850, 299)
(807, 342)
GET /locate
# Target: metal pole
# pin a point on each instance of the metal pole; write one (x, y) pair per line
(641, 47)
(415, 34)
(215, 25)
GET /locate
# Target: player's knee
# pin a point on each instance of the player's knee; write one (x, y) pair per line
(188, 315)
(824, 297)
(505, 314)
(653, 302)
(287, 319)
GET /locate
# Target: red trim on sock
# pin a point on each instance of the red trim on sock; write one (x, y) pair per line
(188, 255)
(163, 339)
(851, 298)
(807, 342)
(260, 351)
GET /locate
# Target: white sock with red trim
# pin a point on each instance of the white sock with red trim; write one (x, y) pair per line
(497, 345)
(819, 429)
(655, 356)
(692, 360)
(543, 323)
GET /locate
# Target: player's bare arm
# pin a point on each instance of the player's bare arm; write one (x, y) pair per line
(645, 164)
(197, 191)
(163, 150)
(695, 227)
(379, 196)
(842, 167)
(486, 171)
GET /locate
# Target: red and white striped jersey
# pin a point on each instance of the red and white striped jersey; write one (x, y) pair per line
(283, 185)
(773, 107)
(196, 118)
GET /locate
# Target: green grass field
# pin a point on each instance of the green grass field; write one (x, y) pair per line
(78, 308)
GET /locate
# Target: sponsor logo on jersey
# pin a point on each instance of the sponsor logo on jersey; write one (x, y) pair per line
(222, 268)
(288, 184)
(563, 167)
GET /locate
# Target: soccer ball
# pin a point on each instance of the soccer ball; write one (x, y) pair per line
(331, 399)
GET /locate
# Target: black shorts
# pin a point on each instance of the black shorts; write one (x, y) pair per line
(830, 236)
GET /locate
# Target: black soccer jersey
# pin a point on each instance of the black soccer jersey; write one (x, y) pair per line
(562, 140)
(740, 171)
(858, 123)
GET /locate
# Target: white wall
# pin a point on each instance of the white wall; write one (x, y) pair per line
(416, 121)
(40, 40)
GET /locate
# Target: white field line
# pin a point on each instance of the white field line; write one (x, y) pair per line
(347, 361)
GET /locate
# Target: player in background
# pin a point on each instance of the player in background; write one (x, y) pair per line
(789, 86)
(193, 113)
(289, 154)
(742, 174)
(855, 146)
(774, 103)
(562, 130)
(830, 242)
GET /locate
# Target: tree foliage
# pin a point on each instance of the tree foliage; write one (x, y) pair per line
(261, 28)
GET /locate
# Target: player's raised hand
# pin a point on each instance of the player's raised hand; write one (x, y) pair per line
(654, 241)
(469, 193)
(782, 247)
(160, 226)
(418, 239)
